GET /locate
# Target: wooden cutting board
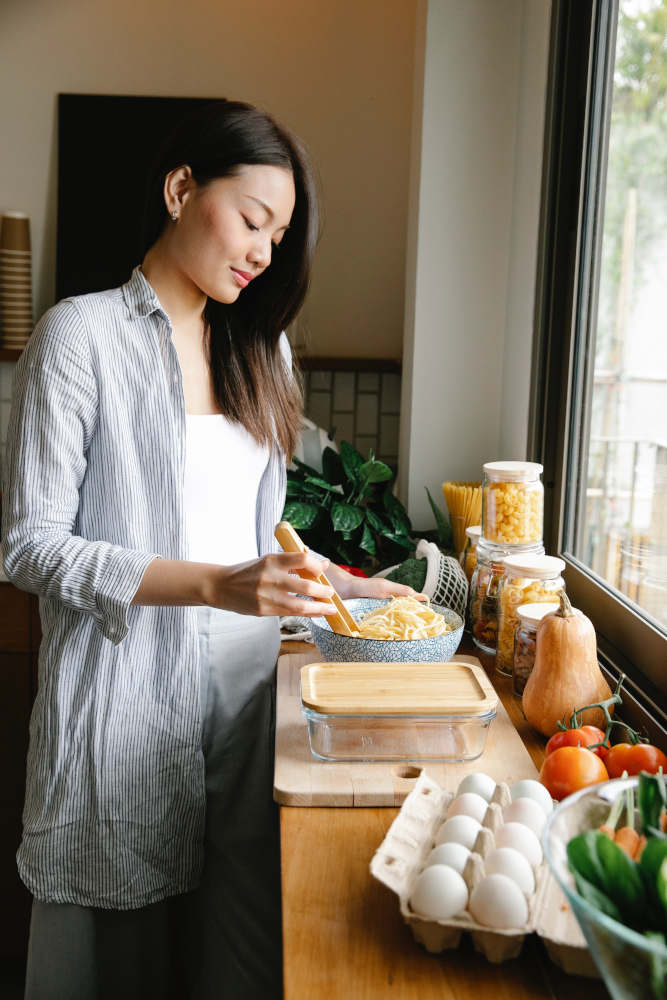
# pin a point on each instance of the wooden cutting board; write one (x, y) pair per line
(302, 780)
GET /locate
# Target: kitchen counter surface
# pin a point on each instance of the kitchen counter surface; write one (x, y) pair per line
(343, 935)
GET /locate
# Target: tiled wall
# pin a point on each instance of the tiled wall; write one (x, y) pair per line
(362, 407)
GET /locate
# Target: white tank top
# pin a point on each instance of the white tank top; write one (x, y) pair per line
(223, 469)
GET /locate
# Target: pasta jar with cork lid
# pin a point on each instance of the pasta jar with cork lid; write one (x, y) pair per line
(512, 503)
(527, 579)
(483, 606)
(525, 641)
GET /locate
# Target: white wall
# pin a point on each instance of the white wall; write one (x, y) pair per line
(474, 209)
(338, 72)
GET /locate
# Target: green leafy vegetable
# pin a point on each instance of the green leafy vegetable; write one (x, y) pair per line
(411, 572)
(652, 799)
(597, 859)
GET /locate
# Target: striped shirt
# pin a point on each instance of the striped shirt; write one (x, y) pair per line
(93, 492)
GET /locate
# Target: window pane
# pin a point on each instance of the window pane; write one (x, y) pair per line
(621, 523)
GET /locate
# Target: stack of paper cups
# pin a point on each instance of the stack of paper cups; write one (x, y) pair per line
(15, 280)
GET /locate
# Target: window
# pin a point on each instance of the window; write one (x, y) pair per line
(599, 406)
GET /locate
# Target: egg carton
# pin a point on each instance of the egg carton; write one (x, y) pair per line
(401, 857)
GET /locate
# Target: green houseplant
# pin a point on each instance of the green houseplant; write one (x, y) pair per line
(348, 512)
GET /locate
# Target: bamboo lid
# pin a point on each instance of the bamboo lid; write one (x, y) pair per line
(454, 688)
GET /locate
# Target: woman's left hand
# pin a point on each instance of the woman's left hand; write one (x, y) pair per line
(348, 585)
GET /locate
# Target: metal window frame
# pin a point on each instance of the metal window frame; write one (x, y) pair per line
(580, 83)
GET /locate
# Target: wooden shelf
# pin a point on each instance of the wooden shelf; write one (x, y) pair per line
(10, 353)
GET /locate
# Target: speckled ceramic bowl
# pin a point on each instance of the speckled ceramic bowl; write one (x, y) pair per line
(340, 648)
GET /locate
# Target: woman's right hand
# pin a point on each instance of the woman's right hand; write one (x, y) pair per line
(268, 586)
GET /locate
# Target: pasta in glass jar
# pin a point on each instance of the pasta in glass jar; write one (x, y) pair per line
(512, 503)
(483, 603)
(528, 579)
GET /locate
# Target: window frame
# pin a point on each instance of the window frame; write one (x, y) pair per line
(579, 92)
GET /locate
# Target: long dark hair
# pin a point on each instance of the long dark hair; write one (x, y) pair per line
(250, 381)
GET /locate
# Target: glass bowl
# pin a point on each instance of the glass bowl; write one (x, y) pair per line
(632, 967)
(346, 649)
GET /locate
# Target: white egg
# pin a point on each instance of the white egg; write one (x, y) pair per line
(508, 861)
(468, 804)
(452, 854)
(522, 839)
(528, 812)
(530, 789)
(439, 893)
(480, 784)
(460, 829)
(498, 902)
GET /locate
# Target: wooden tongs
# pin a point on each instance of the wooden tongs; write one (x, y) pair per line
(342, 622)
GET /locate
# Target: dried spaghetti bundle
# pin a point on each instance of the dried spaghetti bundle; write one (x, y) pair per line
(464, 502)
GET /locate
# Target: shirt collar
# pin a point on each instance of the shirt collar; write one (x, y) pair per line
(139, 295)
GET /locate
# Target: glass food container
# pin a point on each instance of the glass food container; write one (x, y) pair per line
(483, 602)
(528, 579)
(512, 503)
(397, 711)
(632, 965)
(525, 641)
(469, 554)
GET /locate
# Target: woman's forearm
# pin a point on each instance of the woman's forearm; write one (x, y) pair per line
(176, 582)
(269, 585)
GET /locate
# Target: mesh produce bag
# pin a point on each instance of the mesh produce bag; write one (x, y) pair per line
(446, 583)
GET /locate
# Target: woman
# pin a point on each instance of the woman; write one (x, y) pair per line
(145, 474)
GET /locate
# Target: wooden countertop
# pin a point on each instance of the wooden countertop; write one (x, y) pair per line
(343, 935)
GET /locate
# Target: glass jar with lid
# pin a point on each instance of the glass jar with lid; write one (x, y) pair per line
(483, 602)
(469, 554)
(528, 579)
(512, 503)
(525, 641)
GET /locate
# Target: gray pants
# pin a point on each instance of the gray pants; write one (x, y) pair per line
(222, 940)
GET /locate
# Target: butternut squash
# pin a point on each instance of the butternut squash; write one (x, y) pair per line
(566, 674)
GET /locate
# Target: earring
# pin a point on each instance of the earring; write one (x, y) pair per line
(174, 215)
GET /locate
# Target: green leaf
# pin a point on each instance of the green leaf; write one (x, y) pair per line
(332, 467)
(306, 468)
(323, 484)
(600, 862)
(367, 541)
(375, 472)
(583, 857)
(402, 540)
(652, 799)
(346, 517)
(444, 528)
(351, 461)
(397, 514)
(376, 522)
(293, 488)
(300, 515)
(596, 898)
(653, 866)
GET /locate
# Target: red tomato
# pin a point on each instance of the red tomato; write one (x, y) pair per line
(633, 759)
(568, 769)
(581, 737)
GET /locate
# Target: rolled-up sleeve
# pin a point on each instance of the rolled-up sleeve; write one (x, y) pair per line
(52, 419)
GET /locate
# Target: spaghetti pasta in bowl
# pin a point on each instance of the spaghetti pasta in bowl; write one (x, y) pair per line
(399, 630)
